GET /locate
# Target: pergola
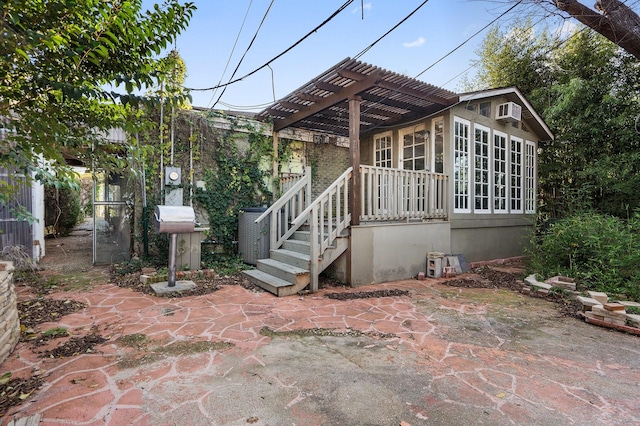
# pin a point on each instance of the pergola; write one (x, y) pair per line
(352, 99)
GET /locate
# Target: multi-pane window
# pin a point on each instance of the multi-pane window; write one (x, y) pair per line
(414, 150)
(499, 172)
(461, 166)
(481, 169)
(438, 146)
(383, 150)
(516, 175)
(530, 177)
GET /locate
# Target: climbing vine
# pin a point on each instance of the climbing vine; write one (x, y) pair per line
(239, 177)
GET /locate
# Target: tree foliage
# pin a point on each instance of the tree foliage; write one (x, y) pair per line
(593, 162)
(72, 70)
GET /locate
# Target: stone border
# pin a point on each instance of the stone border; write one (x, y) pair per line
(9, 318)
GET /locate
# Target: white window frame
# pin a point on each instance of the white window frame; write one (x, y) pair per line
(530, 196)
(516, 177)
(482, 169)
(387, 149)
(461, 165)
(413, 146)
(437, 138)
(500, 172)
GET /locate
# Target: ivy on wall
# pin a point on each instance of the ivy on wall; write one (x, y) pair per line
(239, 178)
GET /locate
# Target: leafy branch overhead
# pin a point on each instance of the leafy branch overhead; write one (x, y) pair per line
(71, 67)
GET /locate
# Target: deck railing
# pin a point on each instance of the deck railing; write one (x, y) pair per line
(394, 194)
(287, 180)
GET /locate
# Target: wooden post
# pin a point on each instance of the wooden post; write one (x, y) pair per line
(354, 159)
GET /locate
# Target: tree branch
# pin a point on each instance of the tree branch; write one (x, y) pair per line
(618, 23)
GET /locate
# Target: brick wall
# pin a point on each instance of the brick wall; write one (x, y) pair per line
(9, 321)
(328, 162)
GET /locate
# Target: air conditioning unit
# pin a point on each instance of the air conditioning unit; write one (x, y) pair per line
(509, 112)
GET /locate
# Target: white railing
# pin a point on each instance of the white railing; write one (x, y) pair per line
(287, 180)
(327, 217)
(296, 198)
(394, 194)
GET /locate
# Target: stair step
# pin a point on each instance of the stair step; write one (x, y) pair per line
(284, 271)
(270, 283)
(297, 246)
(294, 258)
(301, 236)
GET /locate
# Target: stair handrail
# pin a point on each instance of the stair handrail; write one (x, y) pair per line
(314, 214)
(301, 218)
(303, 184)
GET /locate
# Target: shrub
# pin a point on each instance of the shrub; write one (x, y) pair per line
(602, 252)
(62, 208)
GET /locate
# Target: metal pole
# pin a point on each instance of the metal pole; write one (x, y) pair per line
(173, 242)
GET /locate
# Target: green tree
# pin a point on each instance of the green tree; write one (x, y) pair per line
(593, 161)
(71, 69)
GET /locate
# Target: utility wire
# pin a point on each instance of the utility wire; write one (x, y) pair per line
(264, 18)
(232, 50)
(366, 49)
(442, 58)
(326, 21)
(469, 38)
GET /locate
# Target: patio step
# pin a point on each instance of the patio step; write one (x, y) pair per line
(284, 271)
(272, 284)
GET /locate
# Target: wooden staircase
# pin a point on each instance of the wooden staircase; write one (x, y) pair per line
(305, 237)
(288, 269)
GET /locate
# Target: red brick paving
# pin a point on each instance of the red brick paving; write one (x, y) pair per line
(90, 389)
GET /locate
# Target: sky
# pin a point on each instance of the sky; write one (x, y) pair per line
(438, 27)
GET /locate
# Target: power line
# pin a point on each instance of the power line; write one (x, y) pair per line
(441, 58)
(232, 49)
(366, 49)
(469, 39)
(326, 21)
(264, 18)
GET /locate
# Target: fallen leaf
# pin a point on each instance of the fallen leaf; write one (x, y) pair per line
(5, 378)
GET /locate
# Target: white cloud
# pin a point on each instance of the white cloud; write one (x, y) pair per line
(416, 43)
(366, 7)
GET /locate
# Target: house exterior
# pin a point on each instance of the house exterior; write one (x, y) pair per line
(429, 171)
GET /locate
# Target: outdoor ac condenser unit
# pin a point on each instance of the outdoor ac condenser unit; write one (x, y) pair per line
(509, 112)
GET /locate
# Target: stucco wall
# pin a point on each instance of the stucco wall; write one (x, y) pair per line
(488, 238)
(9, 320)
(400, 250)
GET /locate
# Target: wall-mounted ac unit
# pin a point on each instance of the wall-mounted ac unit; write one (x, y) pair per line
(509, 112)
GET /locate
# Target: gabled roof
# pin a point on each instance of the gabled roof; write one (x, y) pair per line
(388, 98)
(513, 94)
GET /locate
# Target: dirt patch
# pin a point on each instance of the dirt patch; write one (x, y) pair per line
(14, 391)
(37, 311)
(204, 285)
(367, 294)
(266, 331)
(75, 346)
(493, 277)
(147, 351)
